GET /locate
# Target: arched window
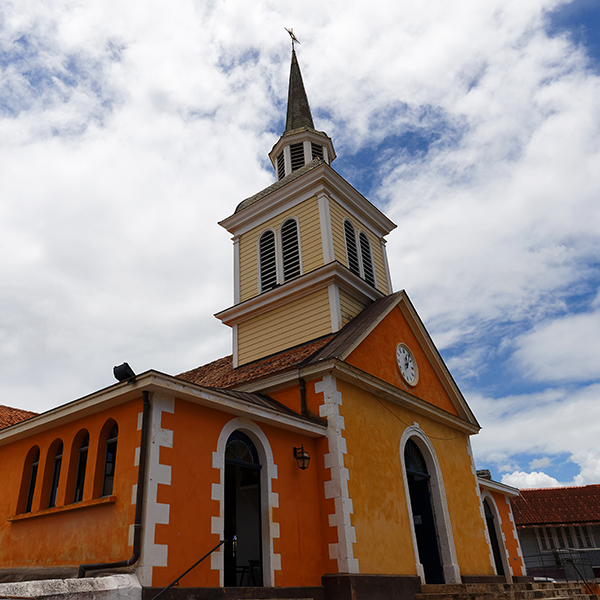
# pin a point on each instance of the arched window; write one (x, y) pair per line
(28, 481)
(267, 261)
(367, 258)
(81, 466)
(290, 249)
(110, 461)
(351, 249)
(55, 475)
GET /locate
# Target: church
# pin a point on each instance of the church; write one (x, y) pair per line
(327, 457)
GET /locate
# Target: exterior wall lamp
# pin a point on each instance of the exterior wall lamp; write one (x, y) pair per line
(302, 457)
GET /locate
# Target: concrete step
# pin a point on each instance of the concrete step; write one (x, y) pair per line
(505, 591)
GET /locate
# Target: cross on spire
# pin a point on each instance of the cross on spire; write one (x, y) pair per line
(292, 35)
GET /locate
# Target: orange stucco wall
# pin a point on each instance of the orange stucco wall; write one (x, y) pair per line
(373, 430)
(70, 534)
(377, 355)
(510, 534)
(196, 431)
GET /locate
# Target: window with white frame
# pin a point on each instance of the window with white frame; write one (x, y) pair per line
(358, 252)
(556, 538)
(279, 258)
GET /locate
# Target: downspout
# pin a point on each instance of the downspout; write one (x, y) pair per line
(139, 500)
(303, 410)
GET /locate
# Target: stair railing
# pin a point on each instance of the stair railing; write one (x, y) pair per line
(176, 581)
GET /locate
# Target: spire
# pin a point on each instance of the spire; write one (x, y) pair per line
(298, 111)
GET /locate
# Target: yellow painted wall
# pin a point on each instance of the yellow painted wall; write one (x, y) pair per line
(349, 306)
(300, 320)
(338, 214)
(373, 429)
(311, 249)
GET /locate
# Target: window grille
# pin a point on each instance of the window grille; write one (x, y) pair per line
(280, 166)
(55, 476)
(367, 259)
(110, 461)
(290, 249)
(267, 261)
(81, 465)
(297, 156)
(553, 538)
(351, 249)
(317, 151)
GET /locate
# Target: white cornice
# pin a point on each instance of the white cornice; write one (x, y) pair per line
(321, 179)
(155, 381)
(306, 284)
(318, 137)
(496, 486)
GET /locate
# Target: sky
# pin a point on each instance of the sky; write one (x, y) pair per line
(128, 130)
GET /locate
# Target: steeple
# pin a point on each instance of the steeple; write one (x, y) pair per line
(298, 110)
(300, 143)
(309, 250)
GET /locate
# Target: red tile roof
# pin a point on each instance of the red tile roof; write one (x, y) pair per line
(557, 506)
(10, 416)
(221, 374)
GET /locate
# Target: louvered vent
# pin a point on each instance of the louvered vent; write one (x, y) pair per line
(290, 249)
(351, 249)
(280, 166)
(297, 152)
(367, 259)
(268, 265)
(317, 151)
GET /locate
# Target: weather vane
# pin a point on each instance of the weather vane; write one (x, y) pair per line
(294, 38)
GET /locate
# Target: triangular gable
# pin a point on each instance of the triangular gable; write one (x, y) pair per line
(369, 343)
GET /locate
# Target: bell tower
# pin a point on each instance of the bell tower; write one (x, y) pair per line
(309, 250)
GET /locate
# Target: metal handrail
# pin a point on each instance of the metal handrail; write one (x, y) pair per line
(176, 581)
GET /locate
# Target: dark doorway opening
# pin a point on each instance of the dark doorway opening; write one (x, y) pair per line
(422, 513)
(489, 520)
(243, 550)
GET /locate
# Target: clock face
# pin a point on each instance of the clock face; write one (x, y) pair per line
(407, 364)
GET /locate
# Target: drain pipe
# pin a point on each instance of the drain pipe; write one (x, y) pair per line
(139, 500)
(303, 410)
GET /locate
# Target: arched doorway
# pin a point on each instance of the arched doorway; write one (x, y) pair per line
(243, 531)
(422, 513)
(491, 527)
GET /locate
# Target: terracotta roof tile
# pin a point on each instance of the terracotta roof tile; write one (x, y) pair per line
(11, 416)
(557, 506)
(221, 374)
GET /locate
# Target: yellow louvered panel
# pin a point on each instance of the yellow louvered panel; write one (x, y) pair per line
(349, 307)
(338, 214)
(311, 250)
(284, 327)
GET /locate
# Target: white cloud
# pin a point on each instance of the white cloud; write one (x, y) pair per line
(535, 479)
(565, 349)
(540, 463)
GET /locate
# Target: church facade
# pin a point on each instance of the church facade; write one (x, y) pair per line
(332, 444)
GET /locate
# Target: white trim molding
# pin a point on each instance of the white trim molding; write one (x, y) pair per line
(508, 572)
(443, 525)
(269, 500)
(326, 232)
(337, 487)
(153, 554)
